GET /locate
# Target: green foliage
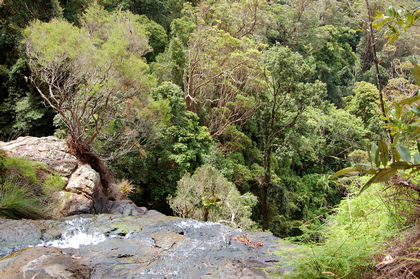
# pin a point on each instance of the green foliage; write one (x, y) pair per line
(23, 169)
(21, 109)
(162, 12)
(157, 37)
(16, 202)
(334, 60)
(88, 74)
(364, 103)
(392, 159)
(53, 184)
(173, 142)
(351, 238)
(397, 20)
(21, 189)
(402, 122)
(296, 200)
(207, 195)
(322, 139)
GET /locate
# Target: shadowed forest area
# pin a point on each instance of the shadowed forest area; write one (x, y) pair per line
(297, 117)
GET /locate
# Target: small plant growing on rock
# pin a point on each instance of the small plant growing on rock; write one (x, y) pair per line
(126, 187)
(208, 196)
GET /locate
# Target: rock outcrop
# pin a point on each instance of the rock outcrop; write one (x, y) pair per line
(49, 150)
(128, 241)
(84, 192)
(147, 246)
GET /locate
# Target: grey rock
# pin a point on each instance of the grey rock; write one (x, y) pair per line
(126, 208)
(83, 181)
(144, 246)
(49, 150)
(76, 204)
(86, 192)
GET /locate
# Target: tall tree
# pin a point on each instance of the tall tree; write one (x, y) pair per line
(87, 74)
(219, 61)
(222, 78)
(289, 93)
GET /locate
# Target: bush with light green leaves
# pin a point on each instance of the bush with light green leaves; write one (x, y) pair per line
(208, 196)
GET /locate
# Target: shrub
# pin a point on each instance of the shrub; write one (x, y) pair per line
(208, 196)
(53, 184)
(352, 237)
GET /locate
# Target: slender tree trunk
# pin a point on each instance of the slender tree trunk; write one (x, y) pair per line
(266, 182)
(372, 47)
(206, 214)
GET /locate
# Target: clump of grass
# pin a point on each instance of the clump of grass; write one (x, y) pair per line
(53, 184)
(21, 189)
(22, 169)
(16, 202)
(126, 187)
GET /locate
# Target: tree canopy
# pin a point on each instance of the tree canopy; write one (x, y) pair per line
(267, 98)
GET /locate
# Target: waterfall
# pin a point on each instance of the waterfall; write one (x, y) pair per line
(75, 236)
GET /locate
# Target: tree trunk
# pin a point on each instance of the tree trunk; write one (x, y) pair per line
(264, 207)
(372, 47)
(266, 182)
(206, 214)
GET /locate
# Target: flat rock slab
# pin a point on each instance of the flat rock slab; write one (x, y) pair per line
(146, 246)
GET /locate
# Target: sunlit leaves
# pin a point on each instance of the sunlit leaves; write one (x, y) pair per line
(396, 20)
(87, 73)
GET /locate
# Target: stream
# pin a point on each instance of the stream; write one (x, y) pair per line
(147, 246)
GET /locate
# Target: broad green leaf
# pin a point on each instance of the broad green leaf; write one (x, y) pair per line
(382, 176)
(344, 171)
(373, 149)
(416, 158)
(383, 148)
(378, 15)
(410, 19)
(391, 12)
(393, 29)
(416, 73)
(372, 171)
(397, 156)
(404, 152)
(409, 101)
(400, 165)
(392, 37)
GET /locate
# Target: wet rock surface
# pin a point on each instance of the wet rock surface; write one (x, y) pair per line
(150, 245)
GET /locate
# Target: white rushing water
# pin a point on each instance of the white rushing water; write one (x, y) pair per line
(75, 236)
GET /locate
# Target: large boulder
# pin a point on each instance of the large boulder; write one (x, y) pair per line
(84, 192)
(50, 150)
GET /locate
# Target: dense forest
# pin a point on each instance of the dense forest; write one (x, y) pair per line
(233, 111)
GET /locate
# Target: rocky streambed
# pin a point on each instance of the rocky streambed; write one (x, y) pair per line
(146, 246)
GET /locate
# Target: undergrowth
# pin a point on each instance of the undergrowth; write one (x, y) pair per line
(350, 238)
(27, 188)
